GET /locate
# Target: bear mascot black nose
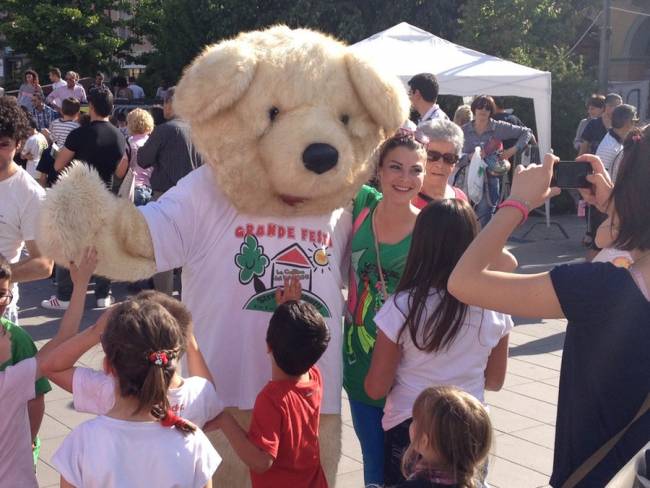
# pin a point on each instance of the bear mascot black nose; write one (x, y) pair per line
(320, 158)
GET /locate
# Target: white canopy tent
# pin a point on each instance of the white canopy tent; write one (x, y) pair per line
(407, 50)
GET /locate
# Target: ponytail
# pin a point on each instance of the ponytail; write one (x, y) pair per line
(141, 342)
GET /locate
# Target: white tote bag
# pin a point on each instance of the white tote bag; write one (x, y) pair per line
(476, 176)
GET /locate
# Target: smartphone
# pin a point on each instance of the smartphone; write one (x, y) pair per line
(571, 174)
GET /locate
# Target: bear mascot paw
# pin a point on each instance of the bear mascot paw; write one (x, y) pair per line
(288, 123)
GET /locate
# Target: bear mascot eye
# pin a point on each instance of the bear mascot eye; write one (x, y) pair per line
(345, 118)
(273, 113)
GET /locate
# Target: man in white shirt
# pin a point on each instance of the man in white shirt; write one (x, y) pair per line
(610, 149)
(21, 198)
(138, 92)
(423, 94)
(55, 78)
(71, 89)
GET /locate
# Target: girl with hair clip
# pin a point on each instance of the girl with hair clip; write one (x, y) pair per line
(382, 227)
(427, 337)
(194, 397)
(604, 390)
(140, 441)
(450, 439)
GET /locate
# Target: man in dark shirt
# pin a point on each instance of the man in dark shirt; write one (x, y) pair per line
(101, 146)
(597, 128)
(169, 150)
(504, 116)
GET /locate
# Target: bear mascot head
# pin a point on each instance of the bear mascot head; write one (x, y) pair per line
(289, 119)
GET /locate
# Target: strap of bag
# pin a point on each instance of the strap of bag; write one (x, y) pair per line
(359, 220)
(592, 461)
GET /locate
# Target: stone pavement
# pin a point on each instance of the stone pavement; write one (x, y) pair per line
(523, 412)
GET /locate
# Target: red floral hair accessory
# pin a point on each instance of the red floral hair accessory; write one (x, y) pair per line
(159, 358)
(170, 419)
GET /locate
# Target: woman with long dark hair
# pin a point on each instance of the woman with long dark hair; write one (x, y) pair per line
(29, 87)
(605, 373)
(426, 337)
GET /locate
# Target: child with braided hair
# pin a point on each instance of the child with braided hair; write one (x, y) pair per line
(135, 443)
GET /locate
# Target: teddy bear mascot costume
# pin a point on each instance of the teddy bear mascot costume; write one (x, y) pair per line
(288, 122)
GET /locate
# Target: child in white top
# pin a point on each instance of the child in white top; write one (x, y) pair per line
(426, 336)
(33, 150)
(194, 398)
(17, 388)
(140, 441)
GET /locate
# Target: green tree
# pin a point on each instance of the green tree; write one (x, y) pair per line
(537, 33)
(69, 34)
(180, 28)
(252, 262)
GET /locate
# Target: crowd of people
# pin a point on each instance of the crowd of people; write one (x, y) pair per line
(430, 292)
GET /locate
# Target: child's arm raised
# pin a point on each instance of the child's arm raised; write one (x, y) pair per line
(196, 365)
(72, 318)
(255, 458)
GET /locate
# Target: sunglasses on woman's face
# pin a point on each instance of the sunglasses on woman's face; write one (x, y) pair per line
(446, 157)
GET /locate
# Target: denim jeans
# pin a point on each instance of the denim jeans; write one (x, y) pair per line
(367, 425)
(64, 285)
(488, 204)
(141, 195)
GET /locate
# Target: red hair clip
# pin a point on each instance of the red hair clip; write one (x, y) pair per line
(159, 358)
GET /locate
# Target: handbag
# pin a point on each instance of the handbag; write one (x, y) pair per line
(476, 176)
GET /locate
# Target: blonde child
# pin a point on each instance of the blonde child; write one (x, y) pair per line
(140, 441)
(17, 385)
(193, 397)
(451, 435)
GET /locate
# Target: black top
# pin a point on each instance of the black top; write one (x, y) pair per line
(594, 133)
(99, 144)
(422, 483)
(605, 372)
(170, 151)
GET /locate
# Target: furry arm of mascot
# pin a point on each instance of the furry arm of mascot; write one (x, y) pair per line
(226, 95)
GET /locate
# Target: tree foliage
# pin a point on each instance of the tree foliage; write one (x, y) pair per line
(537, 33)
(69, 34)
(180, 28)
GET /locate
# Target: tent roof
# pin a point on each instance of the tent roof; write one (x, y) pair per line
(406, 50)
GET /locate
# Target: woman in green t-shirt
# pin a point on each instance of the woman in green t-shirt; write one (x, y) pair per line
(383, 223)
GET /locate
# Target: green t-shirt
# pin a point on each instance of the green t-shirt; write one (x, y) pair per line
(364, 294)
(22, 347)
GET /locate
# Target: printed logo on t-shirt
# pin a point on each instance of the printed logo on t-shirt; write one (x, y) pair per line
(267, 273)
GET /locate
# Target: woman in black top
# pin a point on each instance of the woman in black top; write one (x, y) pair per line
(605, 374)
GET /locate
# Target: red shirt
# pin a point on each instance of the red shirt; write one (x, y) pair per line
(420, 202)
(285, 425)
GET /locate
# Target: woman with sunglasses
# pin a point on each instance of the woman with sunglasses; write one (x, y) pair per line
(445, 144)
(482, 130)
(382, 227)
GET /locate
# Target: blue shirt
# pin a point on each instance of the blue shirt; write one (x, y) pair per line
(605, 372)
(44, 117)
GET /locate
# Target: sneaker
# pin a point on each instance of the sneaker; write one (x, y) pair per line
(105, 302)
(53, 303)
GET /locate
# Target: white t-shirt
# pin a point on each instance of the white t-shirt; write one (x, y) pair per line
(16, 389)
(195, 400)
(21, 198)
(608, 150)
(109, 453)
(462, 364)
(233, 263)
(34, 146)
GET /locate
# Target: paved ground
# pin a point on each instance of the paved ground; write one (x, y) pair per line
(523, 413)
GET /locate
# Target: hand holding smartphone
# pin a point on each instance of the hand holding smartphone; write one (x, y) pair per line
(571, 174)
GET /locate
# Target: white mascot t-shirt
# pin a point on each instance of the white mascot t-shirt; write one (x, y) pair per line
(233, 263)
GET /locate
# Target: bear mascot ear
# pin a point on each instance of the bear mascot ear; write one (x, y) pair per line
(215, 80)
(383, 96)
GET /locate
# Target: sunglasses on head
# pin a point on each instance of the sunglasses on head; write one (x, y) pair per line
(446, 157)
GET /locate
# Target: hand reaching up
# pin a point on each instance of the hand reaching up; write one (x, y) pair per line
(292, 290)
(82, 272)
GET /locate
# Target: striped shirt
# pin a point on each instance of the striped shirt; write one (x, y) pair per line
(609, 148)
(60, 129)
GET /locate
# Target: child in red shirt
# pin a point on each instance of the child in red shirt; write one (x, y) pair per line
(281, 447)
